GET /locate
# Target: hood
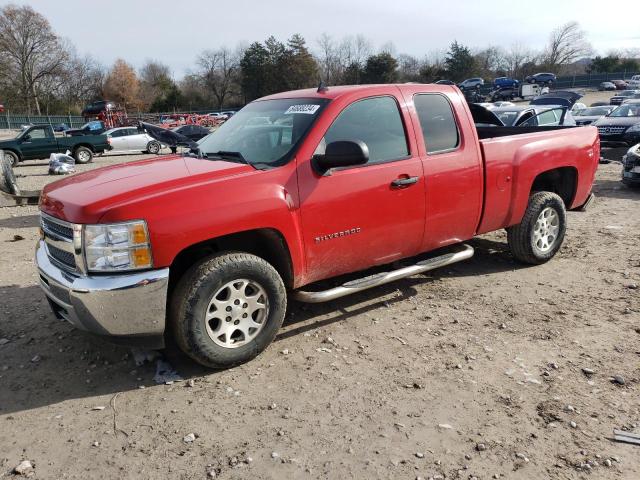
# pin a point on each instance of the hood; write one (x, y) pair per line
(617, 121)
(84, 198)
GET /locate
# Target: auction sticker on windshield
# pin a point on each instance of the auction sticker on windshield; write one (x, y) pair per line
(308, 109)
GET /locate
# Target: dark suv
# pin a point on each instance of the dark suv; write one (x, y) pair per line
(94, 108)
(541, 78)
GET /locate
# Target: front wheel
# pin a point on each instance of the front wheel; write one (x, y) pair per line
(83, 155)
(153, 147)
(539, 236)
(227, 309)
(13, 158)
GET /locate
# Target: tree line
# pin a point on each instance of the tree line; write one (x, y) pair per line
(42, 73)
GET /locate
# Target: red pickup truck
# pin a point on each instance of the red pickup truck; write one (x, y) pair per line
(296, 188)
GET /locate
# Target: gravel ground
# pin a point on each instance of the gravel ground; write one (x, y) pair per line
(487, 369)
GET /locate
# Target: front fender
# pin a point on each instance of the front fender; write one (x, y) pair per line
(203, 211)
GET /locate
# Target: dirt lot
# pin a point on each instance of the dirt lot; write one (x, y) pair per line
(473, 371)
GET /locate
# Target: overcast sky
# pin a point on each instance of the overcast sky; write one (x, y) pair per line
(174, 32)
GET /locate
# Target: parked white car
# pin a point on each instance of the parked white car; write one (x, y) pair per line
(633, 83)
(129, 139)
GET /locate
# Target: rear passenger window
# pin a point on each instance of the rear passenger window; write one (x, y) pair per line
(377, 122)
(439, 127)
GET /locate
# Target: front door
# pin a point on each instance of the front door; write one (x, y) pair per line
(39, 142)
(372, 214)
(119, 140)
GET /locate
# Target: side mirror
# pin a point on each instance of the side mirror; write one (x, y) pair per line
(343, 153)
(26, 138)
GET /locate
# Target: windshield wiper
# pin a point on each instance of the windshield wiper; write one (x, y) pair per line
(234, 157)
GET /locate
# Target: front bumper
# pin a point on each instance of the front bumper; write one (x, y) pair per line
(126, 308)
(631, 168)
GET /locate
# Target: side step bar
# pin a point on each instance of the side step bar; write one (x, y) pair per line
(384, 277)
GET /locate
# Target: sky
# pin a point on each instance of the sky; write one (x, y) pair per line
(174, 32)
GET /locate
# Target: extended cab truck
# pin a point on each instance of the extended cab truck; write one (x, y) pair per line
(208, 246)
(39, 141)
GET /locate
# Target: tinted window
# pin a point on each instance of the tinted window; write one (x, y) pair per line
(117, 133)
(437, 122)
(375, 121)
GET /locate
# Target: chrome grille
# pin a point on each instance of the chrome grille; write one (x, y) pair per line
(59, 239)
(58, 228)
(611, 130)
(66, 258)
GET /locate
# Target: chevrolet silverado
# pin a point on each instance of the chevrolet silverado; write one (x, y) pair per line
(296, 188)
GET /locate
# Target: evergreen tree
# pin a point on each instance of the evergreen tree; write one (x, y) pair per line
(459, 62)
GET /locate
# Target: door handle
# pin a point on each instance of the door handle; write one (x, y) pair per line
(404, 182)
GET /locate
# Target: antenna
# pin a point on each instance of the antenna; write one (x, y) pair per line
(322, 87)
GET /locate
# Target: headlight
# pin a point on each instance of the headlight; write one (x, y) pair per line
(634, 128)
(119, 246)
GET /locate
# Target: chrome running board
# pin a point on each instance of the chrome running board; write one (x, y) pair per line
(384, 277)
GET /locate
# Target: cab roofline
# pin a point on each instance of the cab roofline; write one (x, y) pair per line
(333, 92)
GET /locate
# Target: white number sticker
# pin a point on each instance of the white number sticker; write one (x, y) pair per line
(308, 109)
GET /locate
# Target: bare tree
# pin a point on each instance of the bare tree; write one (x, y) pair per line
(155, 79)
(32, 51)
(219, 71)
(408, 68)
(516, 58)
(491, 61)
(567, 44)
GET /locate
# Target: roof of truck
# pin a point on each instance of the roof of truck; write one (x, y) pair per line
(334, 92)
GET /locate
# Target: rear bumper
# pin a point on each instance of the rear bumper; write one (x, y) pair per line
(125, 308)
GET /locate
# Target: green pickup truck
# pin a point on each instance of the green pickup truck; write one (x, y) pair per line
(39, 141)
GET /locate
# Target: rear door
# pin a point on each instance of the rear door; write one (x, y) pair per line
(356, 217)
(137, 141)
(38, 143)
(452, 165)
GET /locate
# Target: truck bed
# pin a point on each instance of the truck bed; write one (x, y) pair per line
(513, 158)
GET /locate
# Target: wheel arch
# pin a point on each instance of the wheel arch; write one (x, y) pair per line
(562, 181)
(266, 243)
(86, 145)
(14, 151)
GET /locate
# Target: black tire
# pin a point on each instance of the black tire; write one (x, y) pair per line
(82, 155)
(13, 157)
(8, 182)
(198, 286)
(153, 147)
(521, 237)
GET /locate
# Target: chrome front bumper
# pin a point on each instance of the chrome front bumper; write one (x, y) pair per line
(128, 306)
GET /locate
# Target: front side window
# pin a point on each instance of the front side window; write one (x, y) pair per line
(547, 118)
(37, 134)
(265, 132)
(375, 121)
(438, 124)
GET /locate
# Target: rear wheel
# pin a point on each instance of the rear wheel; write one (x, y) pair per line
(227, 309)
(83, 155)
(539, 236)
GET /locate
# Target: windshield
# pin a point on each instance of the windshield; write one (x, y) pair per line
(628, 110)
(265, 132)
(508, 118)
(593, 111)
